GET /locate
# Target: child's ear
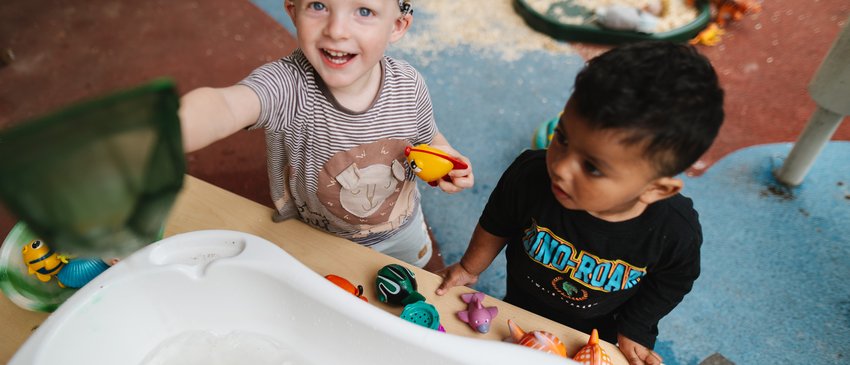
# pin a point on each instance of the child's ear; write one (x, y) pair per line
(289, 5)
(661, 188)
(401, 25)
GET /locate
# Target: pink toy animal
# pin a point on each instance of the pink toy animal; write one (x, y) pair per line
(476, 315)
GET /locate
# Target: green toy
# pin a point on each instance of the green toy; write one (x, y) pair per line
(396, 285)
(423, 314)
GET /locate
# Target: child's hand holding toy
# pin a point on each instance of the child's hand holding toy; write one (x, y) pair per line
(438, 166)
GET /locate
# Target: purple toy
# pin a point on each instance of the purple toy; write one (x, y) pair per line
(476, 315)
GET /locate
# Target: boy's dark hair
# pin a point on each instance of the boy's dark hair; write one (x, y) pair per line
(663, 94)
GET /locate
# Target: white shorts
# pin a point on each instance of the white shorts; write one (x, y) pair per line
(411, 244)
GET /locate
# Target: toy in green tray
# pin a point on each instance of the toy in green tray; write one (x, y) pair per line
(26, 291)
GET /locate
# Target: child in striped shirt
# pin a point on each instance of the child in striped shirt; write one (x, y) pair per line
(338, 115)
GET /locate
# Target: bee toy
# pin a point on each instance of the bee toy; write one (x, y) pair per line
(44, 263)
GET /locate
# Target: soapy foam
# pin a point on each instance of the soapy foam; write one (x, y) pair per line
(208, 348)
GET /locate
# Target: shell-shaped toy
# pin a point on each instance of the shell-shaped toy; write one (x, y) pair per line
(538, 340)
(79, 272)
(396, 285)
(592, 353)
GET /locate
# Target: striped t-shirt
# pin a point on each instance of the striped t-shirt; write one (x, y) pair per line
(340, 171)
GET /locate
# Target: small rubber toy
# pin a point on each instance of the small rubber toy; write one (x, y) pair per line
(476, 315)
(592, 353)
(538, 340)
(542, 137)
(347, 286)
(423, 314)
(431, 164)
(44, 263)
(710, 36)
(396, 285)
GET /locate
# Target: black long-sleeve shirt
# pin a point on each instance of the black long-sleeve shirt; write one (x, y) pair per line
(589, 273)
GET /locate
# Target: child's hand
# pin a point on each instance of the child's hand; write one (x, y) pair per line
(458, 179)
(454, 275)
(636, 353)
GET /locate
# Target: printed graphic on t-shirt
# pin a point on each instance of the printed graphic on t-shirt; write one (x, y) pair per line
(576, 271)
(368, 186)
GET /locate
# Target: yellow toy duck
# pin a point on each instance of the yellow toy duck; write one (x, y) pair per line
(431, 164)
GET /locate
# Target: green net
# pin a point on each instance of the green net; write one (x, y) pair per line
(99, 177)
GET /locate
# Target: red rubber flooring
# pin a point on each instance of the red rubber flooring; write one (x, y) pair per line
(68, 51)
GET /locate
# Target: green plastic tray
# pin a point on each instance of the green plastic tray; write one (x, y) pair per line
(592, 33)
(18, 285)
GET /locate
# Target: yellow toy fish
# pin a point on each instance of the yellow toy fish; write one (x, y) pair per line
(592, 353)
(431, 164)
(42, 261)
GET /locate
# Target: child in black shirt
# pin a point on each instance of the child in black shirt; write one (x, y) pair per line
(597, 233)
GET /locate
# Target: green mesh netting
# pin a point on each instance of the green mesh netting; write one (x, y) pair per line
(99, 177)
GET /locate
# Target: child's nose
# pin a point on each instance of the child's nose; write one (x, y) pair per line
(567, 167)
(337, 27)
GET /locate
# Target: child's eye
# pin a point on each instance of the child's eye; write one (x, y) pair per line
(365, 12)
(591, 169)
(560, 137)
(316, 6)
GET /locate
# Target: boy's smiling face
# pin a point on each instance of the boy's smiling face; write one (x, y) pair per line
(345, 40)
(592, 170)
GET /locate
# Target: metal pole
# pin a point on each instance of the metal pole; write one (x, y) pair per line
(830, 88)
(811, 142)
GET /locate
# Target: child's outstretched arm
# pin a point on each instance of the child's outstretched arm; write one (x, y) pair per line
(208, 114)
(460, 178)
(483, 248)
